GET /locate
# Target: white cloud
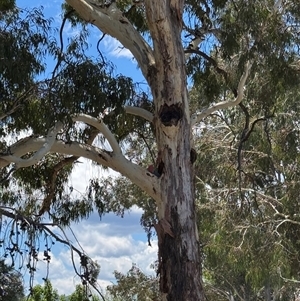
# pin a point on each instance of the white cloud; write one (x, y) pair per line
(112, 252)
(85, 170)
(115, 48)
(114, 242)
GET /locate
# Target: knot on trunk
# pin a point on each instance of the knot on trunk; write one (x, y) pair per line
(170, 115)
(193, 155)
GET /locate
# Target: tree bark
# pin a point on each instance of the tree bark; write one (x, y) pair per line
(179, 254)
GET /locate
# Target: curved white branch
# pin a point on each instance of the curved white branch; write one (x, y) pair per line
(100, 125)
(41, 152)
(137, 174)
(197, 117)
(32, 144)
(110, 20)
(139, 112)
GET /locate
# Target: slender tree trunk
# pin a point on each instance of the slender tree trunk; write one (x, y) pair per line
(179, 256)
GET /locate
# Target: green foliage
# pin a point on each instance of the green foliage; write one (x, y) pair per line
(47, 293)
(82, 294)
(248, 155)
(6, 5)
(11, 283)
(44, 293)
(79, 84)
(22, 39)
(247, 169)
(135, 13)
(242, 30)
(248, 206)
(135, 285)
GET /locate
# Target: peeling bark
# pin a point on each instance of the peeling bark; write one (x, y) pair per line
(179, 254)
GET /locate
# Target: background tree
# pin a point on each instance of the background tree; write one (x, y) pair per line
(134, 285)
(81, 293)
(11, 283)
(46, 292)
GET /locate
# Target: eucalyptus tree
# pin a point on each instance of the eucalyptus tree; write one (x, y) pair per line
(81, 294)
(249, 247)
(44, 292)
(134, 285)
(239, 54)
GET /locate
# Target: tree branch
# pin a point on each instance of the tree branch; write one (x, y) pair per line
(51, 185)
(73, 148)
(18, 103)
(16, 216)
(44, 149)
(277, 6)
(209, 59)
(224, 104)
(110, 20)
(193, 46)
(14, 108)
(116, 161)
(139, 112)
(81, 254)
(100, 125)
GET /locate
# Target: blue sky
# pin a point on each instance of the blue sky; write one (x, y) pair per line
(114, 242)
(112, 49)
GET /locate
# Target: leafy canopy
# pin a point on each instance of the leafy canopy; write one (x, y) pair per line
(247, 178)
